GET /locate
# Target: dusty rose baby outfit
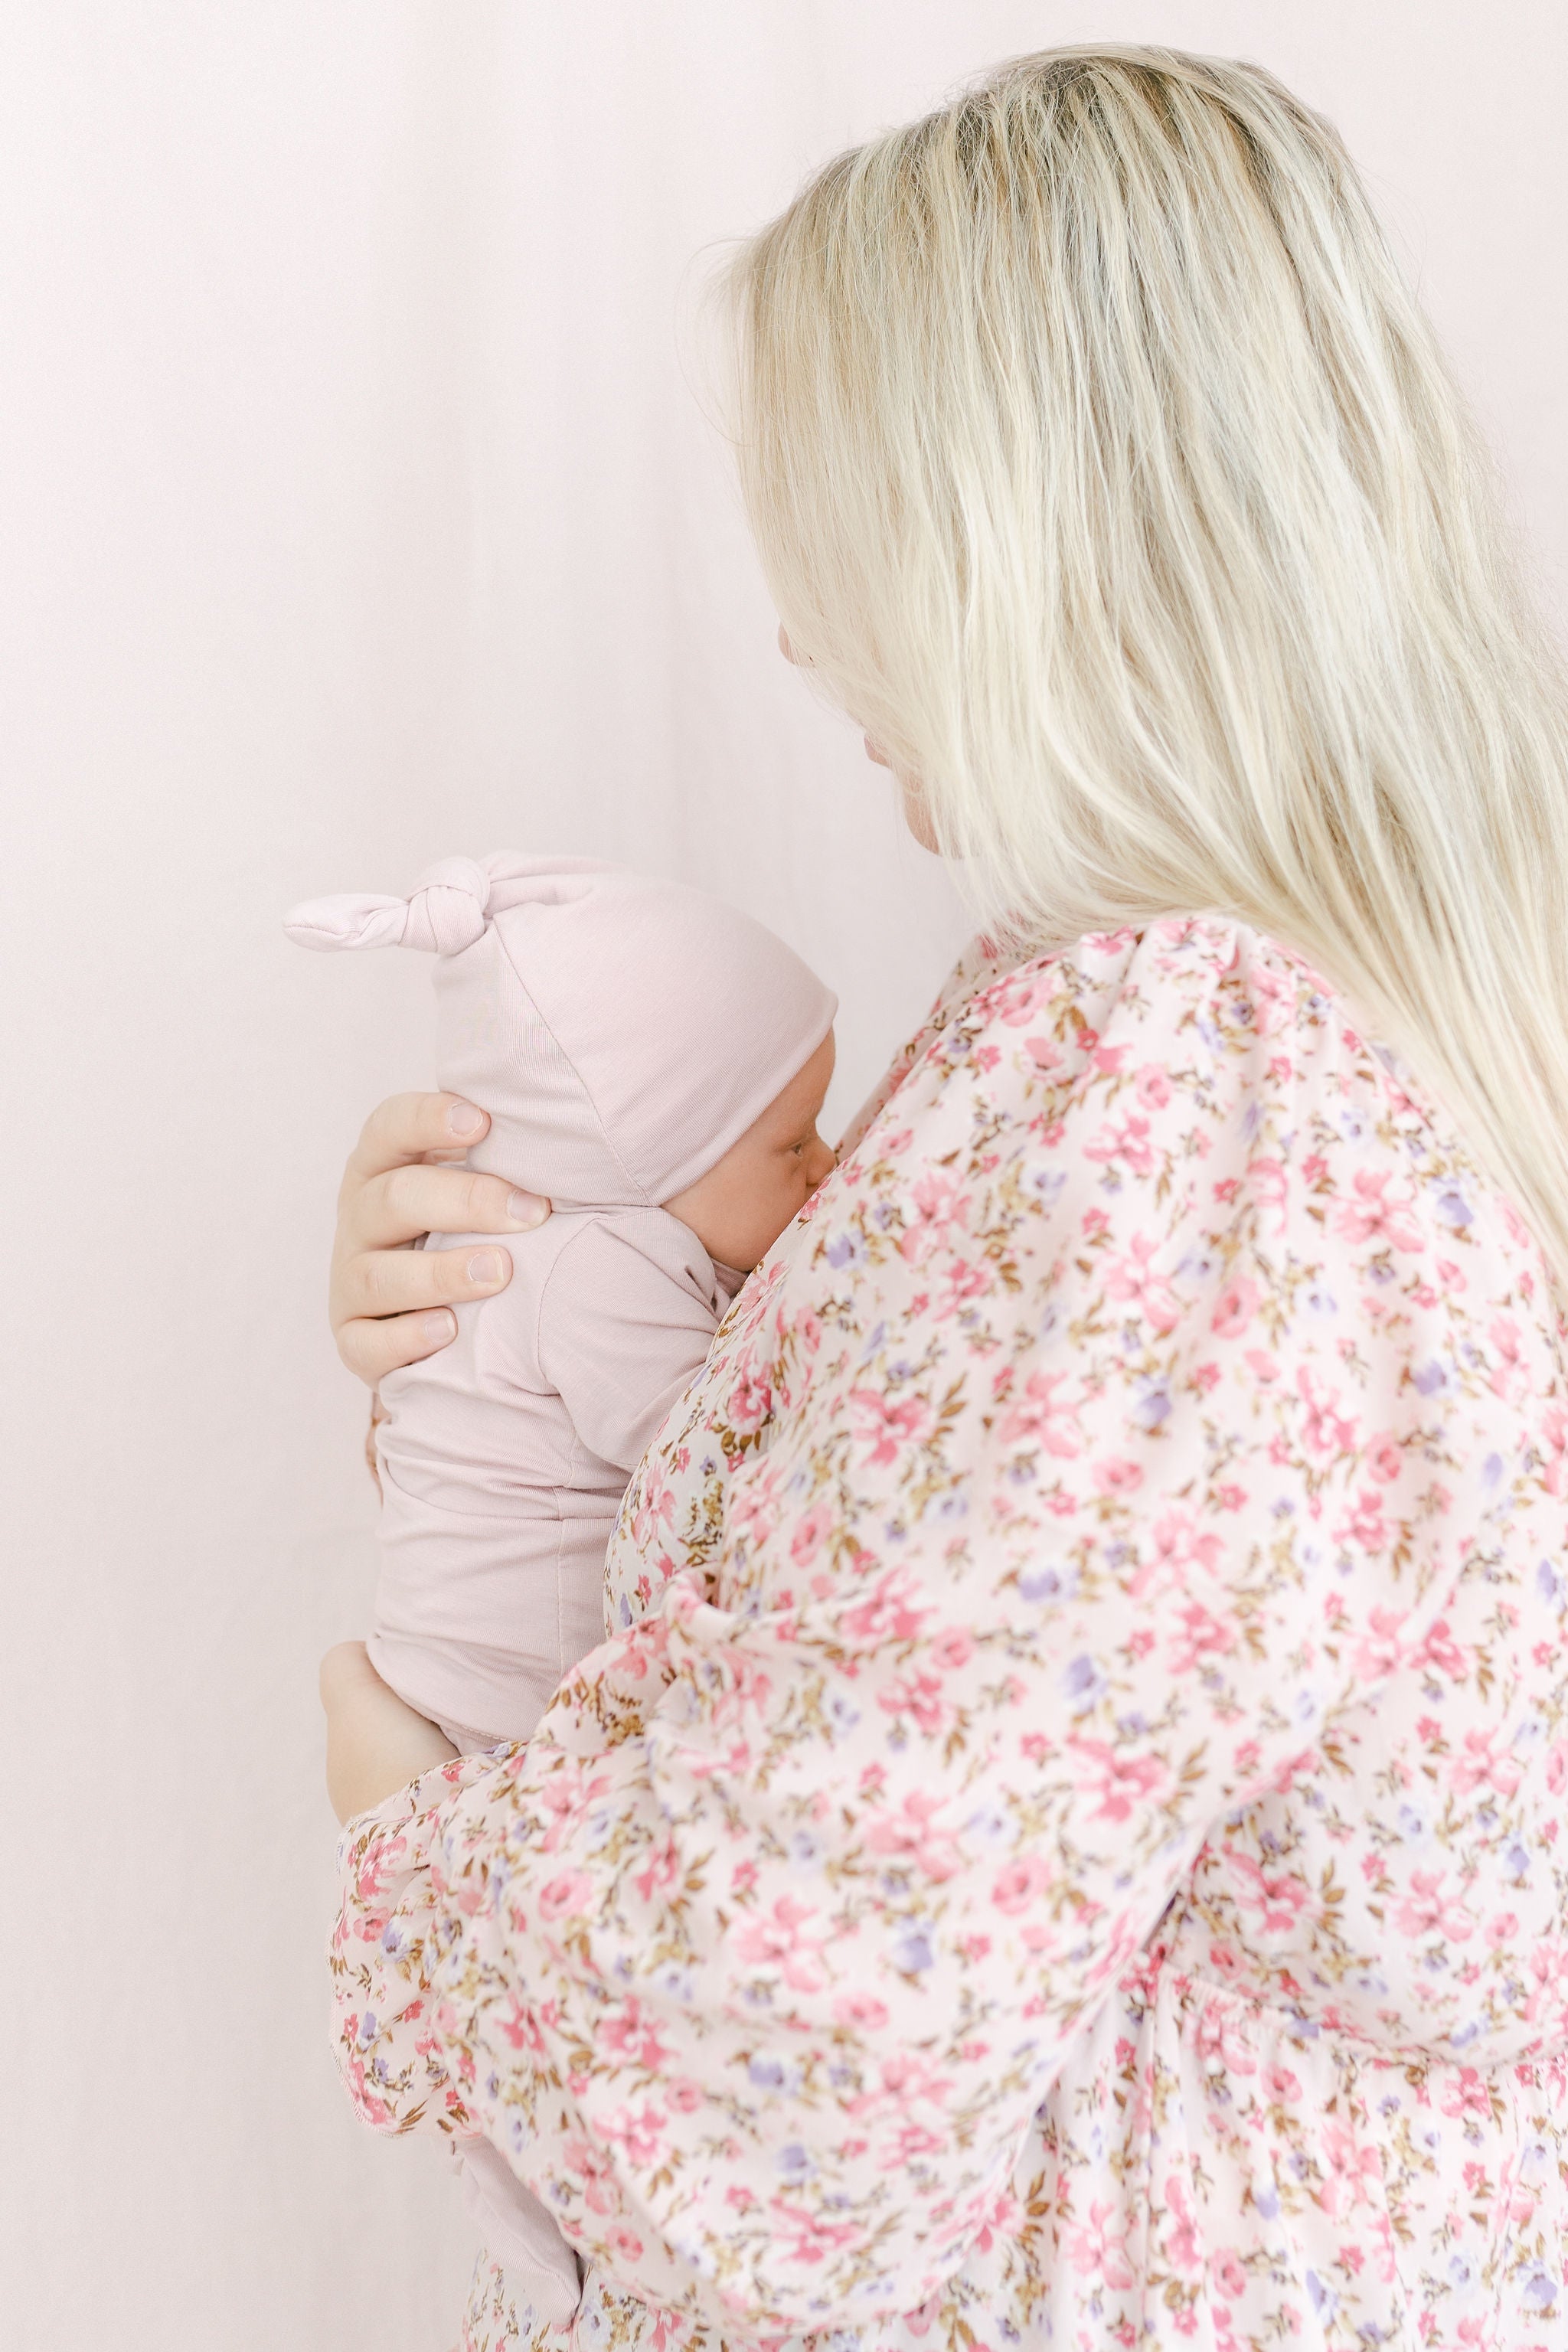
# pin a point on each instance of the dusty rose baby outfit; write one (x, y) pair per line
(623, 1034)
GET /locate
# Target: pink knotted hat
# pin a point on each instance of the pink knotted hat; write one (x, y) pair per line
(621, 1031)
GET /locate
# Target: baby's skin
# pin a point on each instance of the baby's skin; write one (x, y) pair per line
(375, 1742)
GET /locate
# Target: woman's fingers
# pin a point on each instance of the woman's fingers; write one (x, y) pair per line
(405, 1127)
(400, 1282)
(393, 1209)
(371, 1349)
(390, 1304)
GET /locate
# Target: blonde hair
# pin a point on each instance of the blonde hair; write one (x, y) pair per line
(1104, 467)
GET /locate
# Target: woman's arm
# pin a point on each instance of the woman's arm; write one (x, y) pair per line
(389, 1303)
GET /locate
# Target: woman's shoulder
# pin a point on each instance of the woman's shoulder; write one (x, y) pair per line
(1199, 993)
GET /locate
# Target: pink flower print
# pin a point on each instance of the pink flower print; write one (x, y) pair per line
(1000, 2220)
(655, 1507)
(753, 1507)
(1364, 1525)
(1044, 1052)
(885, 1423)
(661, 1869)
(1427, 1911)
(1548, 2004)
(1510, 1367)
(1380, 1651)
(808, 2237)
(940, 1203)
(1202, 1635)
(1097, 2252)
(1118, 1781)
(1261, 1365)
(1281, 2083)
(891, 1612)
(1182, 2240)
(624, 2241)
(1129, 1143)
(749, 1402)
(1372, 1217)
(569, 1892)
(1042, 1417)
(922, 1697)
(1467, 2094)
(1554, 1429)
(912, 1836)
(1267, 1178)
(1132, 1278)
(1556, 1758)
(1176, 1545)
(777, 1942)
(1219, 2041)
(962, 1280)
(1384, 1459)
(862, 2011)
(1441, 1654)
(1017, 1884)
(1234, 1308)
(806, 1540)
(589, 2169)
(1481, 1763)
(1277, 1898)
(1227, 2276)
(1154, 1087)
(639, 2130)
(1350, 2173)
(1118, 1476)
(1324, 1431)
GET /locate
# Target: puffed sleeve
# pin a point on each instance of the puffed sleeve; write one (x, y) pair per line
(1104, 1432)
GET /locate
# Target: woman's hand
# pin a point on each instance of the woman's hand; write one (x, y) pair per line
(391, 1303)
(375, 1743)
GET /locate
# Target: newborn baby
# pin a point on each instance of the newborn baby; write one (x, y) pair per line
(655, 1063)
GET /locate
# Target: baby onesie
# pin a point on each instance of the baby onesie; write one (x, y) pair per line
(504, 1457)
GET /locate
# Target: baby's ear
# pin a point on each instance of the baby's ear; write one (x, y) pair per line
(352, 920)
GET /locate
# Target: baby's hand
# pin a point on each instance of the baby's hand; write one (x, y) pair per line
(375, 1743)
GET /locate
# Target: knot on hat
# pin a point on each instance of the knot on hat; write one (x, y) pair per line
(444, 913)
(447, 907)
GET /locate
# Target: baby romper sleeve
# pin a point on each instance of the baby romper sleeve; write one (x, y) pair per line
(1037, 1479)
(624, 1323)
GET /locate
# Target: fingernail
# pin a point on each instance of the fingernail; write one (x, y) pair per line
(464, 1119)
(487, 1267)
(437, 1328)
(526, 1208)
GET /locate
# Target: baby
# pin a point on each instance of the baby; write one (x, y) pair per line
(655, 1063)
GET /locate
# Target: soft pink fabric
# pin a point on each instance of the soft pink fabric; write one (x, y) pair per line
(504, 1459)
(621, 1032)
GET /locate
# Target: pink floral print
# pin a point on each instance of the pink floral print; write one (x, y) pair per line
(1061, 1844)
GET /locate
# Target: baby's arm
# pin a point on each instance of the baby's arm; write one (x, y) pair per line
(624, 1327)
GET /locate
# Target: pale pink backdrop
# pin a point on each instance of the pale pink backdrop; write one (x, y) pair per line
(357, 508)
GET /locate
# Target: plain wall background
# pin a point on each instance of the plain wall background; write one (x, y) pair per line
(354, 508)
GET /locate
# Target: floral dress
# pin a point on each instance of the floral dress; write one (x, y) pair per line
(1060, 1847)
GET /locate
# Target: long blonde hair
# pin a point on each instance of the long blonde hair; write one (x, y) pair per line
(1104, 467)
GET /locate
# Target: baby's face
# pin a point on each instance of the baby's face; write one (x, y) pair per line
(741, 1206)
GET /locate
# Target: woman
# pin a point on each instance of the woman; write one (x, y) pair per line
(1062, 1846)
